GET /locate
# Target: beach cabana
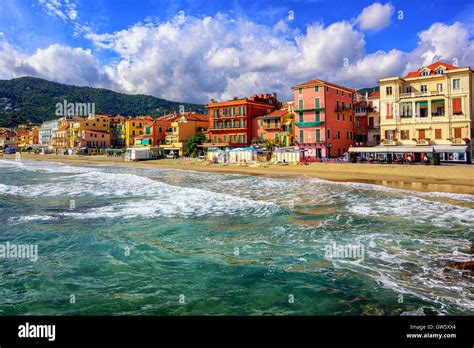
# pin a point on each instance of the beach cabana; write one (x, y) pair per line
(243, 155)
(286, 155)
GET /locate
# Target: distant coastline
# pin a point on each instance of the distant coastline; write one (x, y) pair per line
(453, 179)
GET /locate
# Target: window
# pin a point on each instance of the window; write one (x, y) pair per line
(225, 138)
(316, 116)
(425, 73)
(388, 90)
(409, 89)
(423, 88)
(318, 134)
(300, 104)
(338, 134)
(231, 112)
(316, 102)
(301, 117)
(440, 71)
(327, 89)
(457, 106)
(457, 132)
(300, 90)
(338, 116)
(316, 88)
(342, 93)
(421, 134)
(351, 118)
(438, 133)
(389, 110)
(337, 92)
(405, 134)
(439, 87)
(457, 84)
(347, 135)
(329, 134)
(301, 136)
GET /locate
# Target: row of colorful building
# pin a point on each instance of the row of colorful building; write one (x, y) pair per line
(426, 113)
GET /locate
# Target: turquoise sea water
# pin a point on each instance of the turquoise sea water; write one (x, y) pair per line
(137, 241)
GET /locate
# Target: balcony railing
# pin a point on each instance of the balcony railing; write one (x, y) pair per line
(309, 109)
(423, 141)
(309, 124)
(389, 141)
(342, 109)
(458, 141)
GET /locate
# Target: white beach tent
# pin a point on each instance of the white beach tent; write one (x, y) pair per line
(243, 155)
(286, 155)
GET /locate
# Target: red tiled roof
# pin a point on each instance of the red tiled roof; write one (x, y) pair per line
(374, 95)
(318, 82)
(432, 69)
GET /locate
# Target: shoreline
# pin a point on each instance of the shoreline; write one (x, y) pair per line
(449, 178)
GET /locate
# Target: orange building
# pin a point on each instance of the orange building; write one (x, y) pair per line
(230, 122)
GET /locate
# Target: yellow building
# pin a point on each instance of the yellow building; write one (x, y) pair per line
(182, 129)
(430, 107)
(99, 123)
(134, 128)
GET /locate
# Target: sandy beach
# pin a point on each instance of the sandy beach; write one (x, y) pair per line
(444, 178)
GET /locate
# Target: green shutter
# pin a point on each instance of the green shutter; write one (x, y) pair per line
(301, 136)
(316, 102)
(301, 117)
(300, 104)
(316, 116)
(318, 134)
(316, 88)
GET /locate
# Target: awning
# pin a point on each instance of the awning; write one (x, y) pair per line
(391, 149)
(422, 103)
(451, 148)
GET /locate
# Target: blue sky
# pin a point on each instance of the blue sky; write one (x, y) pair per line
(194, 50)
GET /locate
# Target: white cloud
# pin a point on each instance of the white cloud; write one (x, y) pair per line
(195, 59)
(62, 9)
(375, 16)
(56, 63)
(450, 43)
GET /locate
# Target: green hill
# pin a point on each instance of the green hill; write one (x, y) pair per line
(29, 99)
(369, 90)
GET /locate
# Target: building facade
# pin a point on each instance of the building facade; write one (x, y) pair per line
(324, 119)
(429, 107)
(46, 132)
(187, 126)
(373, 119)
(276, 126)
(230, 122)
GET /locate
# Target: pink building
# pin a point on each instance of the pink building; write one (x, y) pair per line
(324, 119)
(94, 139)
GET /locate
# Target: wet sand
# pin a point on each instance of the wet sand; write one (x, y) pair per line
(444, 178)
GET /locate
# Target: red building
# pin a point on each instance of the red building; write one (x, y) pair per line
(231, 122)
(324, 119)
(361, 113)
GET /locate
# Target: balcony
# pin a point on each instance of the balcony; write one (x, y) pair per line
(343, 109)
(422, 141)
(308, 124)
(389, 142)
(459, 141)
(271, 126)
(309, 109)
(421, 94)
